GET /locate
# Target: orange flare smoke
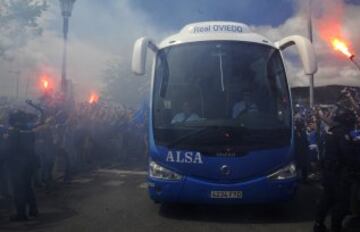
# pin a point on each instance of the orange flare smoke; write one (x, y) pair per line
(94, 98)
(341, 46)
(45, 84)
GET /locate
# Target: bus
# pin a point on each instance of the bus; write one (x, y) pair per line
(220, 121)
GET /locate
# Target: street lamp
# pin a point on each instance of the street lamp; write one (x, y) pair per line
(310, 33)
(66, 9)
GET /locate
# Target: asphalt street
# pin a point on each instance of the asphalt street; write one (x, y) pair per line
(116, 200)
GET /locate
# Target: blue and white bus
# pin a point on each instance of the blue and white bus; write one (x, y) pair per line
(220, 122)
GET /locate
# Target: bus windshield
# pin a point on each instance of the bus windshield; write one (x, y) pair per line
(221, 95)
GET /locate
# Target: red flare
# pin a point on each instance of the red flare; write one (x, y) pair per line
(94, 98)
(45, 84)
(341, 46)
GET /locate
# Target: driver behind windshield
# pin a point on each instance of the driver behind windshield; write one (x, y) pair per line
(187, 114)
(245, 105)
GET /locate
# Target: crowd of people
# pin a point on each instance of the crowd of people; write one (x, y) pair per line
(57, 140)
(48, 140)
(313, 124)
(327, 148)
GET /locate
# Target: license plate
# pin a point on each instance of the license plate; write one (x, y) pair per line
(226, 194)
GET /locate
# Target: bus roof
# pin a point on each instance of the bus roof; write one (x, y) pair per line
(215, 30)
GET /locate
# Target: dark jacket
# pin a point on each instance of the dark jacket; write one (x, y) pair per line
(340, 155)
(301, 146)
(20, 145)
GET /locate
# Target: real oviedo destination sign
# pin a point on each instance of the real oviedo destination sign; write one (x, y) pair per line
(232, 28)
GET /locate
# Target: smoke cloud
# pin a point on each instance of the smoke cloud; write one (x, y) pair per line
(331, 18)
(103, 31)
(96, 37)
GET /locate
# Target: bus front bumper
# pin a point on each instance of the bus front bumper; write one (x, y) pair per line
(192, 190)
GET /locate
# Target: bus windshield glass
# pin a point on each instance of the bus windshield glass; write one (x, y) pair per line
(221, 95)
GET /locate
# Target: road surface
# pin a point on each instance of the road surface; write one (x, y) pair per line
(110, 200)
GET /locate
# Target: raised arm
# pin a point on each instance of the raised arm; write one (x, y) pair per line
(42, 114)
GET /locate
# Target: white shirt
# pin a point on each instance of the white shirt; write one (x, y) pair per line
(181, 117)
(241, 107)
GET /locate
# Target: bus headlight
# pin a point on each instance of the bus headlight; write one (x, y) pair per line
(284, 173)
(159, 172)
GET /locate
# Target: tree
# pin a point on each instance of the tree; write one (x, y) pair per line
(18, 24)
(122, 86)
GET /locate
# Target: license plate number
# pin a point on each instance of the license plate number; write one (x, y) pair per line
(226, 194)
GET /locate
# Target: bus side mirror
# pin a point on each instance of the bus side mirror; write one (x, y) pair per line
(305, 49)
(138, 63)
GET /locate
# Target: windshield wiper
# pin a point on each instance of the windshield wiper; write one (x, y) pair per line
(221, 55)
(191, 134)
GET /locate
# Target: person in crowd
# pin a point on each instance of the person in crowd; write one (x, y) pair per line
(355, 133)
(4, 183)
(45, 149)
(301, 148)
(22, 163)
(246, 105)
(68, 147)
(313, 148)
(338, 162)
(355, 136)
(312, 137)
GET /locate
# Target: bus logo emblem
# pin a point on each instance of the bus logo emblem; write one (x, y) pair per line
(225, 170)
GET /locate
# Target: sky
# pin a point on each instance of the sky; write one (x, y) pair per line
(187, 11)
(104, 31)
